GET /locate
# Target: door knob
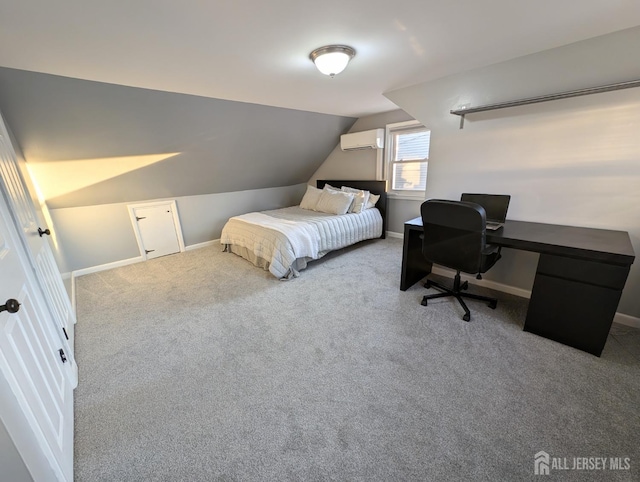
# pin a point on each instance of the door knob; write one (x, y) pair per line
(12, 306)
(46, 231)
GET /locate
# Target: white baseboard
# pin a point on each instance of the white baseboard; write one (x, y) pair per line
(439, 270)
(104, 267)
(125, 262)
(627, 320)
(202, 245)
(512, 290)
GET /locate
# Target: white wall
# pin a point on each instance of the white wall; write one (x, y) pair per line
(574, 161)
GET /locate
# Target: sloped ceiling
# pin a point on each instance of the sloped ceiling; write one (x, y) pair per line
(95, 143)
(258, 51)
(174, 97)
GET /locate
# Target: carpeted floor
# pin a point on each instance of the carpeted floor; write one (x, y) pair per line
(199, 367)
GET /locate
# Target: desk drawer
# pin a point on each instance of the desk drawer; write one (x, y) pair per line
(576, 314)
(591, 272)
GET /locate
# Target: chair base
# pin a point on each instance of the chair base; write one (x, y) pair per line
(457, 293)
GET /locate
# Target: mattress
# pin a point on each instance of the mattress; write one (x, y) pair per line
(284, 240)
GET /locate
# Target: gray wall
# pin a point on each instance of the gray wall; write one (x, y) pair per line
(93, 147)
(211, 145)
(574, 161)
(361, 164)
(102, 234)
(15, 431)
(11, 464)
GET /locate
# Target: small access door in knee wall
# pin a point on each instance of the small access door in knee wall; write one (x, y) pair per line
(157, 228)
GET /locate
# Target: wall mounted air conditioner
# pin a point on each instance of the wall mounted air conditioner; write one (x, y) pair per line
(373, 139)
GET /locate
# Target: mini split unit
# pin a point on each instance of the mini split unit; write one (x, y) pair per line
(373, 139)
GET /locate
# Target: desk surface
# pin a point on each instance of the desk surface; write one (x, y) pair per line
(601, 245)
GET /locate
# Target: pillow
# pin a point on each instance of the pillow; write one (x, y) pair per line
(329, 187)
(360, 200)
(373, 199)
(334, 202)
(310, 198)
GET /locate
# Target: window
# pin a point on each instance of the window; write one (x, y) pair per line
(407, 157)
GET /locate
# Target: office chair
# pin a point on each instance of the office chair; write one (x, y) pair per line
(455, 237)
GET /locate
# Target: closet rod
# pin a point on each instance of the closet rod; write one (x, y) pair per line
(544, 98)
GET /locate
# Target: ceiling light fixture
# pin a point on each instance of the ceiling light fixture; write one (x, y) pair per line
(332, 59)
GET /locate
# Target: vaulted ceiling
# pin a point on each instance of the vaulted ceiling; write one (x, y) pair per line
(130, 100)
(257, 51)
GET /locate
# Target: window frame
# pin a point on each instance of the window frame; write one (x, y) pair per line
(390, 131)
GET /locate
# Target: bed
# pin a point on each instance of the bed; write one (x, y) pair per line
(284, 241)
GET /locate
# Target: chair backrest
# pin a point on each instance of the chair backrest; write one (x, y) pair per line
(454, 233)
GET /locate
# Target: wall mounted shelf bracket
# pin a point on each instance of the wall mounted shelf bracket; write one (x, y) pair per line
(544, 98)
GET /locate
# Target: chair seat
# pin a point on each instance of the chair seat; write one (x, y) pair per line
(489, 257)
(455, 236)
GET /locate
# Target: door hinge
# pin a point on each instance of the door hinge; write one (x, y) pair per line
(138, 218)
(63, 357)
(147, 251)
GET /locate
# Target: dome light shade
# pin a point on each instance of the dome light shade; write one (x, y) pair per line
(332, 59)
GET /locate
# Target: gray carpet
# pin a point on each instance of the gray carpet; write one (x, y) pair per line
(199, 366)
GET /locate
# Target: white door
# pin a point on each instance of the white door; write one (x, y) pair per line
(32, 361)
(157, 229)
(34, 237)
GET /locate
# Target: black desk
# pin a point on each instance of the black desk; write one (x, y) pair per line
(580, 276)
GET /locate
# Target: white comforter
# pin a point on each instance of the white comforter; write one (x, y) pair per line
(287, 238)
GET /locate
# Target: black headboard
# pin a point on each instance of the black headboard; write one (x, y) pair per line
(375, 187)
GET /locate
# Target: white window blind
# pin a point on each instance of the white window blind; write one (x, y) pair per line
(408, 163)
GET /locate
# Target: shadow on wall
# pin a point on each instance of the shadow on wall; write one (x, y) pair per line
(122, 133)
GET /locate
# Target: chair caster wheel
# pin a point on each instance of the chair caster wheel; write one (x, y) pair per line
(427, 284)
(493, 304)
(424, 302)
(466, 317)
(464, 285)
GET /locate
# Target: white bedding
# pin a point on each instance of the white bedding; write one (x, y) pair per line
(283, 240)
